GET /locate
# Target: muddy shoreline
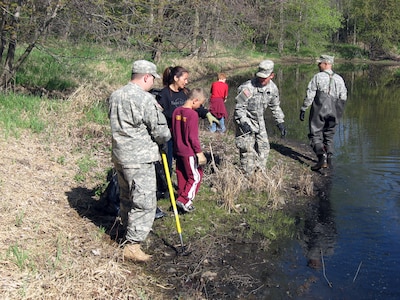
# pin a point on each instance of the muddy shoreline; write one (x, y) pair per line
(232, 266)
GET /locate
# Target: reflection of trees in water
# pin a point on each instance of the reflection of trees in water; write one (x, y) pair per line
(319, 232)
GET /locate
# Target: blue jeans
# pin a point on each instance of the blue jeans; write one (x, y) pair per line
(220, 128)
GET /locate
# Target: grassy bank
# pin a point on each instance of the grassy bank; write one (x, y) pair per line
(56, 244)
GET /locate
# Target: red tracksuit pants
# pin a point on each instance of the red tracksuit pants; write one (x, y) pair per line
(189, 176)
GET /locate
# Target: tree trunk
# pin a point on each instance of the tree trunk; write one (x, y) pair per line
(281, 30)
(195, 33)
(10, 69)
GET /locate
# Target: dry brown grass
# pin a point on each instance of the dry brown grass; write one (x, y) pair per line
(306, 184)
(230, 182)
(48, 250)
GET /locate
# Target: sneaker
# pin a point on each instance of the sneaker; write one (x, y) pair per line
(188, 207)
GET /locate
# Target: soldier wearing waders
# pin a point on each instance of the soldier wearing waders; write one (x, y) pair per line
(254, 96)
(327, 94)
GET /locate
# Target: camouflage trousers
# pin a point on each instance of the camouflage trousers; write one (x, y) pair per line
(254, 150)
(138, 200)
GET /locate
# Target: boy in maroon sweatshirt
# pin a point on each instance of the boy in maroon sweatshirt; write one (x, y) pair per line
(187, 150)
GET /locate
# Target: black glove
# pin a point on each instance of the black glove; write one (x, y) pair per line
(246, 128)
(164, 148)
(282, 129)
(302, 113)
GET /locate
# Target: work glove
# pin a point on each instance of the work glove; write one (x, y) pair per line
(246, 128)
(211, 119)
(282, 129)
(201, 159)
(302, 113)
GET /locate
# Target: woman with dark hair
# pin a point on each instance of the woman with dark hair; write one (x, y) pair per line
(173, 95)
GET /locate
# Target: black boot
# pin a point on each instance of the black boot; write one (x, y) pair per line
(322, 162)
(329, 160)
(159, 214)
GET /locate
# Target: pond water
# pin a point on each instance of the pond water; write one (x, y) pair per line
(354, 236)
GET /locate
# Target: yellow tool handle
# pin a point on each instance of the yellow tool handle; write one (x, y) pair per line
(171, 192)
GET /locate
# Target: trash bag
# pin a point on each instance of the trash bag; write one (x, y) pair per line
(110, 197)
(162, 185)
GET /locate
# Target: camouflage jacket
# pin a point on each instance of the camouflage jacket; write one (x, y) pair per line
(327, 82)
(253, 99)
(138, 126)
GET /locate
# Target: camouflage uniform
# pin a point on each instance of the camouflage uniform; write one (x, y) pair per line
(138, 126)
(251, 102)
(327, 94)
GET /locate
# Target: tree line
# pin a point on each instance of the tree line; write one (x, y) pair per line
(189, 27)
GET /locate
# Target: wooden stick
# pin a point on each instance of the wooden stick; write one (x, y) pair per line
(213, 160)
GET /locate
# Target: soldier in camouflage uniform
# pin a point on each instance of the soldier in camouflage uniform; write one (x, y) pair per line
(138, 128)
(327, 94)
(254, 96)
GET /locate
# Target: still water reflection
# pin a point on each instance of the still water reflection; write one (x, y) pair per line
(357, 225)
(364, 196)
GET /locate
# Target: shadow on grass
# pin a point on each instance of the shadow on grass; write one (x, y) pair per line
(84, 201)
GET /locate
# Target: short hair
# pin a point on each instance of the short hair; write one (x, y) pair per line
(136, 75)
(221, 76)
(197, 93)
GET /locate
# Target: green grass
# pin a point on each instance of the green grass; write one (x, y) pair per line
(256, 218)
(85, 164)
(20, 112)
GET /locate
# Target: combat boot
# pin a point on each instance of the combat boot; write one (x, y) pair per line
(134, 253)
(329, 160)
(322, 162)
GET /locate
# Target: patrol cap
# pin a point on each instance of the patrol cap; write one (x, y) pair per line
(265, 68)
(325, 59)
(144, 67)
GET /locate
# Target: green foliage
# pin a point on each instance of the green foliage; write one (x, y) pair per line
(63, 66)
(348, 51)
(46, 71)
(312, 22)
(377, 24)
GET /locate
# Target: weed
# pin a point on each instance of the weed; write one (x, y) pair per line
(21, 258)
(59, 249)
(61, 160)
(19, 218)
(85, 164)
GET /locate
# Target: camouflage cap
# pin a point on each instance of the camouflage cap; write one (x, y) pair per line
(144, 67)
(265, 68)
(325, 59)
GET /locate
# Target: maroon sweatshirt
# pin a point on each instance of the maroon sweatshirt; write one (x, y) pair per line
(185, 131)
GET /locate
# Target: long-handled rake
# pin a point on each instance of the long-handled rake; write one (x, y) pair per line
(182, 250)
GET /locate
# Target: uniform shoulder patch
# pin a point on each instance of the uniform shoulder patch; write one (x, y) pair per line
(246, 92)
